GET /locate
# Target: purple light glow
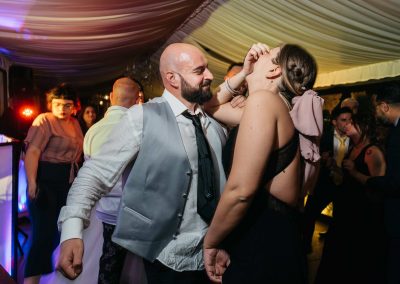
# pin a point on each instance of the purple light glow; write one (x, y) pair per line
(10, 23)
(14, 13)
(6, 207)
(5, 51)
(22, 186)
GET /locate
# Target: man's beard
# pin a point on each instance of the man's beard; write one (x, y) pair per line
(201, 95)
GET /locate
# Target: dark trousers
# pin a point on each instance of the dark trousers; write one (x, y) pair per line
(44, 211)
(112, 259)
(393, 261)
(157, 273)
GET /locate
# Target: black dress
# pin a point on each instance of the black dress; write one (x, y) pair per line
(354, 250)
(266, 246)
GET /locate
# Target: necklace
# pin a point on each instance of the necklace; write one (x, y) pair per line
(285, 100)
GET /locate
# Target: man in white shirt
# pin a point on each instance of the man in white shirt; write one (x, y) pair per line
(125, 93)
(159, 218)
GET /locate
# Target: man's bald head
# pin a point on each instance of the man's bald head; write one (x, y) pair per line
(350, 103)
(185, 74)
(125, 92)
(177, 55)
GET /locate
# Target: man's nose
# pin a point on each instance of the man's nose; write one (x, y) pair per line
(208, 75)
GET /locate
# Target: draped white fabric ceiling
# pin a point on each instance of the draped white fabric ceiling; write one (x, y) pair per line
(92, 41)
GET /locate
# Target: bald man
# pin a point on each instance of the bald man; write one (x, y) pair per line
(158, 217)
(351, 104)
(125, 93)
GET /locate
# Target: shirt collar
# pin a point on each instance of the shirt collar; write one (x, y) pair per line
(114, 108)
(336, 134)
(177, 106)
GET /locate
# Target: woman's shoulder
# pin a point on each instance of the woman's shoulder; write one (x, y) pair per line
(373, 151)
(43, 118)
(268, 99)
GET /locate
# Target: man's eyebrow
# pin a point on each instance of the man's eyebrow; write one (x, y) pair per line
(200, 68)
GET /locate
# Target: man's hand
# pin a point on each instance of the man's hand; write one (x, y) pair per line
(215, 261)
(70, 259)
(238, 101)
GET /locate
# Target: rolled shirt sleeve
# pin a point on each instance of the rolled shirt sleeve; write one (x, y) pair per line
(100, 173)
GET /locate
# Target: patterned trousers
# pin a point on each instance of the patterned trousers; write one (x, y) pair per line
(112, 259)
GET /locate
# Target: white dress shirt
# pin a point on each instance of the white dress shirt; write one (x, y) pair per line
(107, 207)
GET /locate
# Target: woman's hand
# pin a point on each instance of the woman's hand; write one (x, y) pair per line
(32, 190)
(215, 261)
(252, 56)
(348, 165)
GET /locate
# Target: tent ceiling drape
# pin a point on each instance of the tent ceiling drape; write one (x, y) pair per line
(88, 42)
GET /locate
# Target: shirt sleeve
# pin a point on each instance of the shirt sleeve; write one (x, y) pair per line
(39, 133)
(100, 173)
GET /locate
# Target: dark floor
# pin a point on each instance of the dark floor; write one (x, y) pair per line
(317, 246)
(313, 258)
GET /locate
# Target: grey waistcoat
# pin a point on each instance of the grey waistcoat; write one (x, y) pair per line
(155, 191)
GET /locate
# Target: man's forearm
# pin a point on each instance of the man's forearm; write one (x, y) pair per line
(224, 92)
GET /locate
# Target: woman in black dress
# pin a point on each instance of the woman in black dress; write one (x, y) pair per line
(354, 250)
(257, 221)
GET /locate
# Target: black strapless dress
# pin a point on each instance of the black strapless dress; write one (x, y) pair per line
(266, 247)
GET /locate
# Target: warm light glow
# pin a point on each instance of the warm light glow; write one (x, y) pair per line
(27, 112)
(106, 97)
(101, 103)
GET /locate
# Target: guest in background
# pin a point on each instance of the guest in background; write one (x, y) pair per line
(334, 147)
(104, 260)
(125, 93)
(351, 103)
(140, 98)
(354, 249)
(54, 147)
(387, 107)
(87, 118)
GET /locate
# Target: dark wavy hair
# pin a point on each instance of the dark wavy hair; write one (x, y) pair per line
(299, 70)
(62, 91)
(366, 122)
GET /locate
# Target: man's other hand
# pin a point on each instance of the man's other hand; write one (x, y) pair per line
(70, 259)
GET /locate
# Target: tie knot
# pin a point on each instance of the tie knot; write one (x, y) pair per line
(193, 117)
(342, 139)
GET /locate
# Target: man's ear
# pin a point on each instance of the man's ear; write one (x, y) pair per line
(385, 107)
(111, 96)
(172, 79)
